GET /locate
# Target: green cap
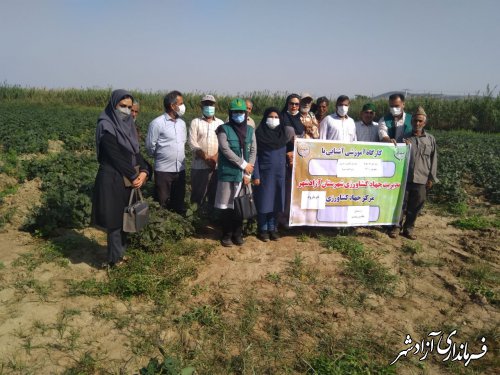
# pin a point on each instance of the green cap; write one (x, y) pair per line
(369, 107)
(238, 104)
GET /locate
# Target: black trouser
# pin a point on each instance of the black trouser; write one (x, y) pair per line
(413, 203)
(171, 190)
(232, 224)
(117, 244)
(283, 217)
(203, 185)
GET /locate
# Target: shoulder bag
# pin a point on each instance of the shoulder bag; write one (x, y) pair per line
(244, 204)
(135, 215)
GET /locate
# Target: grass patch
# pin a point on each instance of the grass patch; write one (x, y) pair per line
(360, 265)
(411, 247)
(30, 285)
(273, 277)
(9, 190)
(371, 274)
(86, 364)
(251, 312)
(476, 222)
(48, 253)
(303, 237)
(481, 279)
(168, 366)
(350, 353)
(146, 274)
(301, 271)
(6, 216)
(206, 315)
(352, 361)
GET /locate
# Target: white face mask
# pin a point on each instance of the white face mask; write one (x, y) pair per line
(396, 111)
(272, 122)
(342, 110)
(305, 108)
(181, 110)
(126, 111)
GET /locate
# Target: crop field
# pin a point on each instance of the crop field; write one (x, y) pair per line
(318, 301)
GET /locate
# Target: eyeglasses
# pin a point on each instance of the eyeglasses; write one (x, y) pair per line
(125, 106)
(369, 112)
(294, 103)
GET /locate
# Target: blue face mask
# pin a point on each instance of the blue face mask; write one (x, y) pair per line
(208, 110)
(238, 117)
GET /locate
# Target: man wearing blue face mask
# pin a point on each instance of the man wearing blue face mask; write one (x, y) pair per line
(204, 145)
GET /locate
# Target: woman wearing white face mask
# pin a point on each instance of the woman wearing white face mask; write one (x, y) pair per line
(269, 172)
(121, 168)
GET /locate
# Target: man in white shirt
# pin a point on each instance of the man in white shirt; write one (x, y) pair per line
(204, 145)
(339, 126)
(366, 128)
(165, 142)
(397, 124)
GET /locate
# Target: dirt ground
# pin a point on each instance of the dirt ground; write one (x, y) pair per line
(44, 330)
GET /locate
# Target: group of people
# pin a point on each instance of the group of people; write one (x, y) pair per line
(232, 157)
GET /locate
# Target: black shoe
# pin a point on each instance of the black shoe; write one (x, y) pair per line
(263, 236)
(238, 240)
(226, 242)
(274, 235)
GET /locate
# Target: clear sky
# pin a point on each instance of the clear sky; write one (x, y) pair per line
(325, 47)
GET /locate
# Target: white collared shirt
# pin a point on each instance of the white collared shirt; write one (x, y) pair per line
(336, 128)
(202, 137)
(166, 141)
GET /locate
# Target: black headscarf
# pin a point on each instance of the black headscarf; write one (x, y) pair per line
(292, 120)
(267, 138)
(239, 129)
(109, 121)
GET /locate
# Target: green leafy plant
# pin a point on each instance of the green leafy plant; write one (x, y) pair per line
(168, 366)
(476, 223)
(164, 227)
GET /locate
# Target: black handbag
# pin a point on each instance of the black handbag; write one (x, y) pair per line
(244, 204)
(135, 215)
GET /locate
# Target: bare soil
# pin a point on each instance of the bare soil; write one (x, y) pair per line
(44, 330)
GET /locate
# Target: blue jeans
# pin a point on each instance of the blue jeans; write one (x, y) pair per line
(266, 222)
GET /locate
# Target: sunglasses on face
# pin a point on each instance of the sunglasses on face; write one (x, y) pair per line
(294, 103)
(369, 112)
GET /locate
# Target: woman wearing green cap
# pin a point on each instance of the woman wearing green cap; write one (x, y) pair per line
(237, 153)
